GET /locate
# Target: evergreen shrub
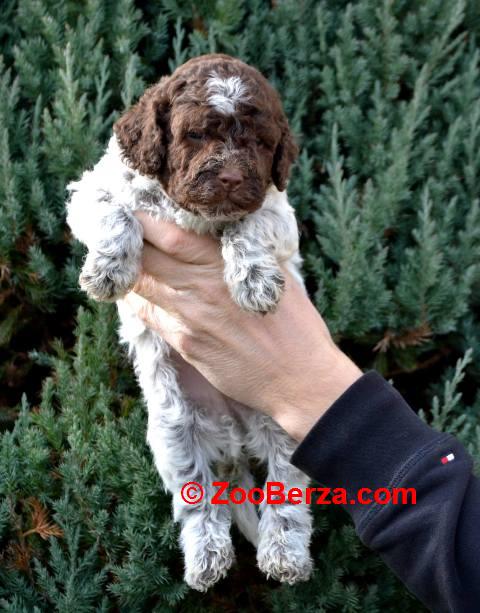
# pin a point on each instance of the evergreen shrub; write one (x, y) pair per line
(384, 97)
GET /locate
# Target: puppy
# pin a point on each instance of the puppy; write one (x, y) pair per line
(210, 149)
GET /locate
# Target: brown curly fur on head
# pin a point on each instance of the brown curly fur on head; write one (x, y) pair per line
(214, 133)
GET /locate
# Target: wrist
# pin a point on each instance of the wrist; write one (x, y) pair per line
(321, 386)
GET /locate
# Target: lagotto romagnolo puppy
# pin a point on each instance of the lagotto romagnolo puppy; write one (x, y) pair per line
(210, 149)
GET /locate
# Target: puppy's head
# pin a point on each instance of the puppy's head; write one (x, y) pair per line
(214, 134)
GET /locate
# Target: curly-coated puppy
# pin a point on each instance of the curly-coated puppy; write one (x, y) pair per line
(209, 148)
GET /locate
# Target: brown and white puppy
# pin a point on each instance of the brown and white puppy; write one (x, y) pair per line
(208, 148)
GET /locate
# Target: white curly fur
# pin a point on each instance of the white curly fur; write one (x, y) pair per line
(195, 433)
(225, 93)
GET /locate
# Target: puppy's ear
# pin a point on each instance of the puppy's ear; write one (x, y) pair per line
(285, 154)
(141, 130)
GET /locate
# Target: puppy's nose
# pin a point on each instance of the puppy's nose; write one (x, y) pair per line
(230, 178)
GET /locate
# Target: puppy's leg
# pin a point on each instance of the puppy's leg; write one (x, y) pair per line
(285, 529)
(113, 261)
(103, 221)
(181, 438)
(251, 272)
(253, 250)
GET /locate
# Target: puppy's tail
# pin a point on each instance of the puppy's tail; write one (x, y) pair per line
(245, 515)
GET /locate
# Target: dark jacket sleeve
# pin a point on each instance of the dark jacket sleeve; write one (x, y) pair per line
(371, 438)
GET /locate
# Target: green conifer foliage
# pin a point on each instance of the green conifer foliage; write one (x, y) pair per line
(384, 97)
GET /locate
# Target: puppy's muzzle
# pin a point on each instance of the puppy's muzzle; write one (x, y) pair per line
(231, 179)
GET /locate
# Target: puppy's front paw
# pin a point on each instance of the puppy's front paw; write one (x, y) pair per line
(260, 290)
(106, 278)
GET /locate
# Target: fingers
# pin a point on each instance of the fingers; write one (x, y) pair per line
(165, 278)
(147, 286)
(155, 318)
(176, 274)
(170, 327)
(160, 294)
(163, 267)
(177, 243)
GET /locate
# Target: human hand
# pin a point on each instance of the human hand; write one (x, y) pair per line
(284, 363)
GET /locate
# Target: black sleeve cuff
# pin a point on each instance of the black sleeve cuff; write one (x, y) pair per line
(364, 438)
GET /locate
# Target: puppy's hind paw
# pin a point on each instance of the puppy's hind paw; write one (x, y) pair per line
(209, 565)
(260, 291)
(283, 562)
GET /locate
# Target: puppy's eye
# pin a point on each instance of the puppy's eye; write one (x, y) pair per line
(195, 136)
(262, 143)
